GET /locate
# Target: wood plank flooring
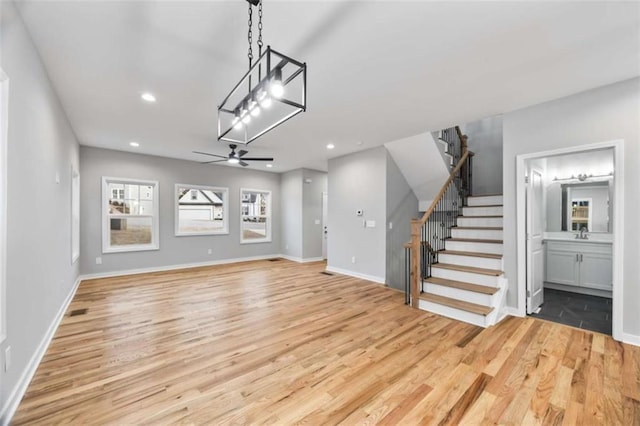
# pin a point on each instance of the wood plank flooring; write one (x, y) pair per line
(280, 343)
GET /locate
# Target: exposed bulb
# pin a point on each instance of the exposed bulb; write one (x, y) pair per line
(255, 111)
(237, 123)
(246, 119)
(266, 102)
(275, 87)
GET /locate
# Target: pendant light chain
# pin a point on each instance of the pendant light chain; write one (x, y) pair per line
(250, 36)
(260, 28)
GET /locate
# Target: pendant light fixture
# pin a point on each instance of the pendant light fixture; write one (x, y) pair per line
(272, 91)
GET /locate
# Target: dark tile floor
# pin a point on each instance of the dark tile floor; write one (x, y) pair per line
(577, 310)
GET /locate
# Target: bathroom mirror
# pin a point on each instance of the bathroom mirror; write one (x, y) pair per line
(585, 205)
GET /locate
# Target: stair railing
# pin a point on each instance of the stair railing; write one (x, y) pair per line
(428, 233)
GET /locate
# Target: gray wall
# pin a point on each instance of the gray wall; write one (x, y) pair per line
(96, 163)
(485, 140)
(402, 206)
(358, 181)
(41, 144)
(312, 212)
(291, 210)
(603, 114)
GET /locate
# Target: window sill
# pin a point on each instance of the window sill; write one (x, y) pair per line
(129, 249)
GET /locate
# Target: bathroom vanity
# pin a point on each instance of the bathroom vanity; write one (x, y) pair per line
(582, 265)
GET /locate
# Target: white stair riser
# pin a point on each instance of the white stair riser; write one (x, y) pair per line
(485, 201)
(478, 262)
(483, 234)
(482, 211)
(494, 222)
(460, 315)
(475, 247)
(459, 294)
(467, 277)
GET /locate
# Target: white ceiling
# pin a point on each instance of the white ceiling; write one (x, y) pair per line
(378, 70)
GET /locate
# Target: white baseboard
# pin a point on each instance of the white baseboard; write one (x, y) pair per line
(508, 310)
(177, 266)
(631, 339)
(379, 280)
(18, 392)
(301, 259)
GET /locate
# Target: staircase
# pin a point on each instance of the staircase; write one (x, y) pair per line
(454, 260)
(468, 283)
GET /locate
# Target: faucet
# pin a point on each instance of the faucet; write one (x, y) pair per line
(583, 234)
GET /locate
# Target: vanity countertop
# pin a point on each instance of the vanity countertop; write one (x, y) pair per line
(571, 236)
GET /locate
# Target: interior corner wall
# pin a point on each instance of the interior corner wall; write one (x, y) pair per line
(402, 206)
(603, 114)
(42, 149)
(291, 210)
(485, 141)
(358, 182)
(174, 251)
(314, 184)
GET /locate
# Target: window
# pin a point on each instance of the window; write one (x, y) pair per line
(255, 223)
(201, 210)
(130, 215)
(75, 215)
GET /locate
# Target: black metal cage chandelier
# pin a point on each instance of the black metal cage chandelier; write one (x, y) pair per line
(270, 93)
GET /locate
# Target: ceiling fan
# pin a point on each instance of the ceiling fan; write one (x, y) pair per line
(234, 158)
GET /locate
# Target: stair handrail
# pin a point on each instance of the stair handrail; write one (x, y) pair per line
(419, 257)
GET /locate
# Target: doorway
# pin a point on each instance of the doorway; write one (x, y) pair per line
(325, 223)
(570, 236)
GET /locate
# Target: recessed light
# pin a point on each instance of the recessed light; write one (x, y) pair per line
(269, 165)
(148, 97)
(134, 144)
(331, 146)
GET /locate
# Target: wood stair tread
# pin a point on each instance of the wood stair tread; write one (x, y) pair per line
(471, 269)
(488, 228)
(463, 285)
(472, 254)
(486, 195)
(474, 240)
(457, 304)
(488, 205)
(476, 217)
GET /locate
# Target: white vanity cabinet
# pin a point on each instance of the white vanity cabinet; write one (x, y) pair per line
(579, 263)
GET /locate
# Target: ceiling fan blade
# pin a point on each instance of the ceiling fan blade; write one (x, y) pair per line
(206, 153)
(242, 152)
(213, 161)
(243, 164)
(258, 159)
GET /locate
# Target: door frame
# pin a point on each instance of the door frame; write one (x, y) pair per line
(325, 220)
(618, 225)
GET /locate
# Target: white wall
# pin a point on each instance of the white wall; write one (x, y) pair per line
(96, 162)
(402, 206)
(315, 183)
(485, 141)
(291, 209)
(41, 145)
(603, 114)
(358, 182)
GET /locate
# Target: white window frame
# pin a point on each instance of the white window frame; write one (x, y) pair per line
(106, 217)
(75, 215)
(269, 217)
(225, 209)
(4, 124)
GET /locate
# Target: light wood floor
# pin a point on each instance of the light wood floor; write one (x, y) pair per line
(279, 343)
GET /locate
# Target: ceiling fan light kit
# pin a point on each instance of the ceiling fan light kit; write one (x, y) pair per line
(272, 91)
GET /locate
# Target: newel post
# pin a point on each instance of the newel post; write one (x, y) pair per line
(416, 224)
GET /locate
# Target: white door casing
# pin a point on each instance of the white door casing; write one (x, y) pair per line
(535, 252)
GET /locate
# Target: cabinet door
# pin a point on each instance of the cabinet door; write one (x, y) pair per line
(562, 267)
(596, 270)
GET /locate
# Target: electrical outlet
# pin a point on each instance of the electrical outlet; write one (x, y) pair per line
(98, 261)
(7, 358)
(353, 259)
(210, 251)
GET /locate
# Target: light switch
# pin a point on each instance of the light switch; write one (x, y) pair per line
(370, 224)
